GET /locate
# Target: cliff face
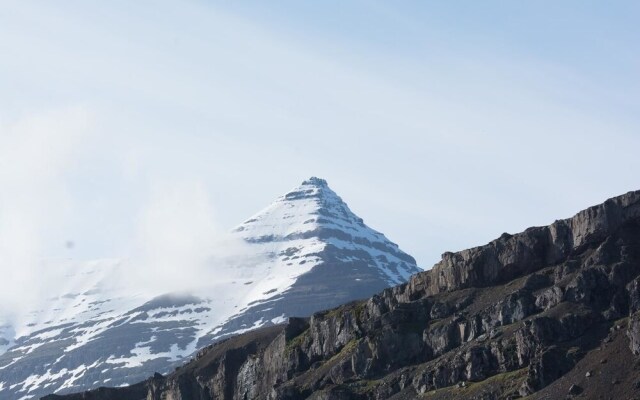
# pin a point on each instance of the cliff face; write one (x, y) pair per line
(511, 256)
(550, 312)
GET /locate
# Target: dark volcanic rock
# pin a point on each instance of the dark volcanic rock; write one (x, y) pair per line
(525, 315)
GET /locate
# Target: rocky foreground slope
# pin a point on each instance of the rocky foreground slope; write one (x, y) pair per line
(552, 312)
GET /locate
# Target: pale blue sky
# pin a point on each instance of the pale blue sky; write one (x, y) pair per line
(442, 124)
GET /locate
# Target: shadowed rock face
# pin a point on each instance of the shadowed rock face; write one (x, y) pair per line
(548, 313)
(511, 256)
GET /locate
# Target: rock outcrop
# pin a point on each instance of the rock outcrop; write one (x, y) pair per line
(550, 312)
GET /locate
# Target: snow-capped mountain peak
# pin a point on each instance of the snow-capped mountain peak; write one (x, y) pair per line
(305, 252)
(299, 210)
(311, 217)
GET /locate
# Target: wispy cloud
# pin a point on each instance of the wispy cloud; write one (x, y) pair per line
(178, 244)
(173, 242)
(36, 151)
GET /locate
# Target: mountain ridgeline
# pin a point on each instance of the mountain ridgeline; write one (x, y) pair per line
(549, 313)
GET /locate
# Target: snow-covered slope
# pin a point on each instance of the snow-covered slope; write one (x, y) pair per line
(306, 252)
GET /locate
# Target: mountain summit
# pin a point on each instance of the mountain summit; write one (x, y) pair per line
(311, 224)
(305, 252)
(318, 254)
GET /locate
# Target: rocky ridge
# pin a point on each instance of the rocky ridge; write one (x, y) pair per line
(549, 313)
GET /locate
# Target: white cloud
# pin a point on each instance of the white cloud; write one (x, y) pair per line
(178, 245)
(172, 244)
(36, 151)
